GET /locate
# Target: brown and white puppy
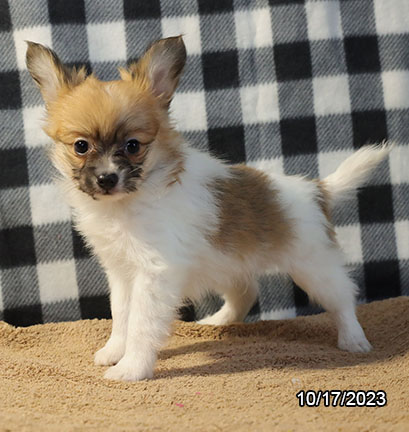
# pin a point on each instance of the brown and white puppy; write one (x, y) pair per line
(169, 222)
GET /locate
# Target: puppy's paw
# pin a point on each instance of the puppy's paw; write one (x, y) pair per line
(211, 320)
(128, 370)
(222, 317)
(354, 342)
(355, 346)
(110, 354)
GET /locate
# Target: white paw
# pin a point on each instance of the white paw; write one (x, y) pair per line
(211, 320)
(128, 370)
(354, 342)
(222, 317)
(110, 354)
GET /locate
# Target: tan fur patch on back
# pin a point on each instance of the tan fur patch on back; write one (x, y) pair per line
(323, 199)
(250, 214)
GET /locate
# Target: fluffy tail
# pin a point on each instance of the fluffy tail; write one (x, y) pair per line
(354, 171)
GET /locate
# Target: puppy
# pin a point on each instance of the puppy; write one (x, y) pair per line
(168, 222)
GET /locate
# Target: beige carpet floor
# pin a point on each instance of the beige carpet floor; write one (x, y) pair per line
(238, 378)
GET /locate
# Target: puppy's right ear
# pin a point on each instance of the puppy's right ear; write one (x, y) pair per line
(161, 67)
(49, 73)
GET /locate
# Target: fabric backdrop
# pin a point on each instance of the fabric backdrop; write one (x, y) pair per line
(293, 85)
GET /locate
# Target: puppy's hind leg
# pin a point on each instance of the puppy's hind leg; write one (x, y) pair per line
(323, 277)
(238, 300)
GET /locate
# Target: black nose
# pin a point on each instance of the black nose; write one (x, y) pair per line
(107, 181)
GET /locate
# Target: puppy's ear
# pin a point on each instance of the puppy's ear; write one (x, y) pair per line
(49, 73)
(161, 66)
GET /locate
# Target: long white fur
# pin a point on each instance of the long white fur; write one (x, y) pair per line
(154, 248)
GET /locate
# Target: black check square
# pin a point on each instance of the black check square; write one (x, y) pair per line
(80, 249)
(5, 21)
(17, 247)
(10, 94)
(65, 12)
(362, 54)
(24, 316)
(293, 61)
(369, 127)
(254, 312)
(382, 279)
(187, 312)
(375, 204)
(220, 70)
(13, 168)
(95, 307)
(300, 296)
(228, 143)
(215, 6)
(298, 136)
(139, 10)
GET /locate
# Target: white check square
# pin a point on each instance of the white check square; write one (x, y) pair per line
(402, 239)
(395, 89)
(189, 111)
(189, 27)
(38, 34)
(349, 239)
(253, 28)
(324, 20)
(391, 16)
(279, 314)
(34, 135)
(328, 162)
(47, 205)
(259, 103)
(331, 95)
(399, 165)
(106, 42)
(57, 281)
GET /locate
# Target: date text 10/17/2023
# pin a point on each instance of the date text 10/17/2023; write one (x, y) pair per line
(342, 398)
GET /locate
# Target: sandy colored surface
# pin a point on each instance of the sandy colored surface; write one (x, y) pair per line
(238, 378)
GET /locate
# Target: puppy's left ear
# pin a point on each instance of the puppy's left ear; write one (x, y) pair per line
(161, 67)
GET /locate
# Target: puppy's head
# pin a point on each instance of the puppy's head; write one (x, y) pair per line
(110, 136)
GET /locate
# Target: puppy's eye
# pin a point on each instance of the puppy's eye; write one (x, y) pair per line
(132, 146)
(81, 147)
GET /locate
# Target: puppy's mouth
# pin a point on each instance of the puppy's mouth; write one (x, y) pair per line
(111, 185)
(107, 193)
(114, 194)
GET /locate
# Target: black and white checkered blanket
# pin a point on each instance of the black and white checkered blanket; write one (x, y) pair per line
(292, 85)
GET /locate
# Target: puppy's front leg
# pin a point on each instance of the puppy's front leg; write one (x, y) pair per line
(114, 349)
(152, 308)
